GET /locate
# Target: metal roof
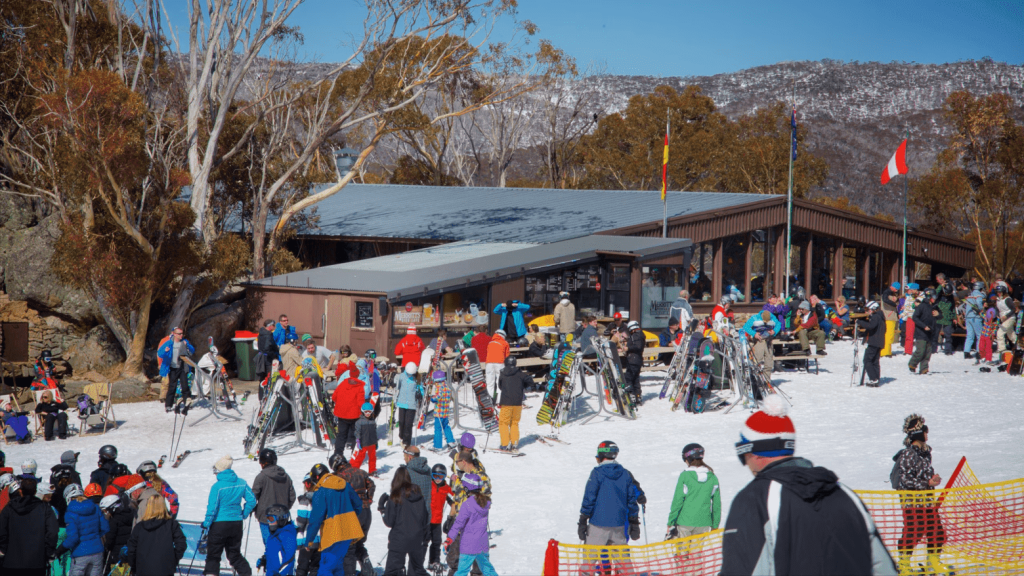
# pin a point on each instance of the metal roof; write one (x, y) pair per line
(500, 214)
(458, 265)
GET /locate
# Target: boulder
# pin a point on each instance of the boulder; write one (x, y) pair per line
(98, 350)
(130, 388)
(221, 325)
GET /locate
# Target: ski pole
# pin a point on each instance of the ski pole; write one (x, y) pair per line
(248, 525)
(196, 553)
(643, 514)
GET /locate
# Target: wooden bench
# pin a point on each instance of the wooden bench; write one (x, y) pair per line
(782, 350)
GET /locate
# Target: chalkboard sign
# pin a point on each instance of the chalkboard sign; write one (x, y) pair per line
(364, 314)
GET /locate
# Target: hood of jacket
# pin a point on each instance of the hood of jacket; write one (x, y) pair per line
(804, 479)
(510, 370)
(419, 464)
(153, 524)
(701, 472)
(227, 476)
(276, 473)
(331, 482)
(414, 496)
(85, 508)
(24, 505)
(611, 469)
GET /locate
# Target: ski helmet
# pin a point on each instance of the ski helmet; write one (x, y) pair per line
(110, 503)
(277, 516)
(307, 481)
(337, 462)
(367, 407)
(410, 368)
(46, 355)
(979, 286)
(438, 471)
(608, 450)
(92, 489)
(120, 470)
(871, 305)
(472, 482)
(929, 293)
(693, 451)
(145, 468)
(371, 354)
(6, 480)
(617, 316)
(726, 300)
(268, 456)
(633, 326)
(28, 467)
(61, 475)
(317, 472)
(1001, 288)
(467, 440)
(73, 491)
(510, 362)
(108, 452)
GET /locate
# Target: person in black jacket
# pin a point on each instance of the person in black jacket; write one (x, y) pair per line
(268, 352)
(513, 383)
(157, 543)
(120, 517)
(926, 332)
(104, 472)
(816, 525)
(28, 532)
(61, 476)
(409, 520)
(635, 344)
(56, 415)
(874, 330)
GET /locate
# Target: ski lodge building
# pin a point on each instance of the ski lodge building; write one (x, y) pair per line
(391, 255)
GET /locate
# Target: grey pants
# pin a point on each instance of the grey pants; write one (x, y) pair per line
(922, 353)
(598, 558)
(685, 531)
(814, 334)
(91, 565)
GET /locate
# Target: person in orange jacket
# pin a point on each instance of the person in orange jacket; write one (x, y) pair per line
(409, 348)
(497, 351)
(348, 399)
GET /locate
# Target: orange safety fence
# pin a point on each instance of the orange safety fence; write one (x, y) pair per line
(965, 528)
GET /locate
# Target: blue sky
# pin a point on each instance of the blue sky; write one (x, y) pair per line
(682, 38)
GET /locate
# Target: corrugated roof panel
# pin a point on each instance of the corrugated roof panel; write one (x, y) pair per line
(443, 255)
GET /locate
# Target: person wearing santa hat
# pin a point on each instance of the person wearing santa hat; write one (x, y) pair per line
(794, 517)
(410, 348)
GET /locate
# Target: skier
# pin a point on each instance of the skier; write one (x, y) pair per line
(419, 471)
(791, 516)
(224, 514)
(1007, 319)
(635, 344)
(497, 351)
(564, 317)
(465, 463)
(513, 383)
(988, 333)
(157, 543)
(28, 532)
(402, 510)
(442, 397)
(875, 333)
(281, 544)
(171, 366)
(148, 472)
(946, 306)
(364, 488)
(103, 474)
(61, 477)
(697, 502)
(925, 332)
(86, 527)
(348, 400)
(366, 437)
(913, 471)
(408, 390)
(410, 348)
(440, 494)
(335, 509)
(470, 527)
(610, 501)
(973, 308)
(512, 318)
(890, 298)
(272, 487)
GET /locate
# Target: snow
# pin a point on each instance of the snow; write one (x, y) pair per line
(853, 431)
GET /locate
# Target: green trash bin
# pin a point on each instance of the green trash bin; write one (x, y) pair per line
(244, 356)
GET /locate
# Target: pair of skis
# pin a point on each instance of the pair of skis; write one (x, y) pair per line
(615, 384)
(677, 366)
(323, 419)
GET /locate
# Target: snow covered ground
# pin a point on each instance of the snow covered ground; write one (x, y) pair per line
(853, 431)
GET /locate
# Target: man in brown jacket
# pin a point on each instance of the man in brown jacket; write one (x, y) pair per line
(565, 316)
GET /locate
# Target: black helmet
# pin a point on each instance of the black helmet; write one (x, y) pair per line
(46, 354)
(693, 451)
(608, 450)
(929, 293)
(277, 515)
(337, 462)
(108, 452)
(61, 474)
(371, 354)
(317, 472)
(119, 470)
(268, 456)
(947, 289)
(1001, 288)
(146, 467)
(438, 470)
(510, 362)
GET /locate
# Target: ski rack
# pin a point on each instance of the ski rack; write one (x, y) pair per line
(601, 388)
(199, 376)
(456, 389)
(299, 394)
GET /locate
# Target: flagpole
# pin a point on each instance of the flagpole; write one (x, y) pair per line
(789, 201)
(664, 183)
(906, 176)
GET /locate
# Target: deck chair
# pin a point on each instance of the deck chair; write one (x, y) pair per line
(40, 419)
(5, 398)
(103, 418)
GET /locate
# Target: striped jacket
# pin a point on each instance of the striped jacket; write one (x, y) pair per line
(335, 512)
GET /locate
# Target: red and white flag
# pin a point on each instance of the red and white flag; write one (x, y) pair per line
(897, 164)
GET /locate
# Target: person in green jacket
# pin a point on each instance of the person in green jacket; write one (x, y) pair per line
(697, 503)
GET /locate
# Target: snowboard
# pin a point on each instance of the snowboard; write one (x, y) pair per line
(475, 375)
(560, 363)
(614, 380)
(677, 367)
(1016, 362)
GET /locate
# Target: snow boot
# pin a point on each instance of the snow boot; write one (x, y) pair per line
(923, 371)
(913, 368)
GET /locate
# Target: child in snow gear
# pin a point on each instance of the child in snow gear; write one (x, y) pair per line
(442, 397)
(281, 544)
(465, 463)
(225, 511)
(819, 511)
(697, 502)
(334, 517)
(440, 493)
(513, 384)
(611, 504)
(875, 332)
(470, 528)
(635, 344)
(272, 487)
(348, 400)
(403, 511)
(913, 471)
(988, 335)
(366, 439)
(86, 527)
(149, 473)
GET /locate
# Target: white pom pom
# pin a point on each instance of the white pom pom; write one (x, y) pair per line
(774, 405)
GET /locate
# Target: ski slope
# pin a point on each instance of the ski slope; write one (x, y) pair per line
(853, 431)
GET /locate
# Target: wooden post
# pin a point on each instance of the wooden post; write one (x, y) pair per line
(864, 255)
(808, 259)
(747, 266)
(780, 260)
(716, 273)
(838, 277)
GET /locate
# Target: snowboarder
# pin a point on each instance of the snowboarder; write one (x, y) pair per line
(281, 544)
(364, 488)
(408, 390)
(224, 514)
(403, 511)
(564, 317)
(440, 494)
(789, 515)
(513, 383)
(366, 437)
(913, 471)
(272, 487)
(635, 344)
(875, 333)
(171, 366)
(471, 528)
(697, 502)
(610, 501)
(925, 332)
(335, 509)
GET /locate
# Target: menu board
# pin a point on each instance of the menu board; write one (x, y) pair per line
(364, 315)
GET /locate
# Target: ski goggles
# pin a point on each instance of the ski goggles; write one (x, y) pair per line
(371, 354)
(413, 454)
(437, 476)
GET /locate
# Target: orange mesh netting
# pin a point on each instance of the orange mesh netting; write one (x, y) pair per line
(974, 528)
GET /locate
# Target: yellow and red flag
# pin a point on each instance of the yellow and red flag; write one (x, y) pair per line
(664, 165)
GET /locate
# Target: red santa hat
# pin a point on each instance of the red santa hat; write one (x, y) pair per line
(411, 329)
(768, 432)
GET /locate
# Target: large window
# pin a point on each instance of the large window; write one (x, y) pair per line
(734, 266)
(761, 254)
(457, 311)
(661, 286)
(583, 285)
(701, 266)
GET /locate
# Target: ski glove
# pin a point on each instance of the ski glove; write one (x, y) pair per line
(634, 528)
(448, 524)
(672, 533)
(581, 530)
(122, 555)
(447, 544)
(261, 561)
(381, 502)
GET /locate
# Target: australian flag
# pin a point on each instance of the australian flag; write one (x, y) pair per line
(793, 124)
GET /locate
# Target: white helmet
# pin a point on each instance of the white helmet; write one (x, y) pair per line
(110, 502)
(72, 491)
(633, 325)
(29, 467)
(410, 368)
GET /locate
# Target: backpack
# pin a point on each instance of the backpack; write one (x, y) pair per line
(86, 406)
(894, 475)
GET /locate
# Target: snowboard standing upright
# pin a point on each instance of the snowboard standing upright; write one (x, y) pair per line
(561, 361)
(475, 375)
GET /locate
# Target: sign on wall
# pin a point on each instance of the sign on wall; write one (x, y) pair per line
(364, 314)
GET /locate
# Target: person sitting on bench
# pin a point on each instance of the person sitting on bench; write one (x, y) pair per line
(807, 329)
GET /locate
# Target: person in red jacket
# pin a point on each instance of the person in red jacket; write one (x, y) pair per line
(348, 399)
(409, 348)
(440, 494)
(480, 342)
(497, 351)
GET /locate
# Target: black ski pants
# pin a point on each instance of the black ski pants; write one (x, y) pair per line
(357, 550)
(406, 421)
(946, 333)
(177, 376)
(308, 563)
(632, 374)
(395, 565)
(436, 539)
(60, 419)
(346, 434)
(226, 537)
(871, 364)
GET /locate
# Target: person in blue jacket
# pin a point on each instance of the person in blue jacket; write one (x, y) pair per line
(224, 514)
(515, 329)
(86, 526)
(281, 544)
(974, 310)
(171, 366)
(335, 518)
(611, 501)
(283, 332)
(760, 329)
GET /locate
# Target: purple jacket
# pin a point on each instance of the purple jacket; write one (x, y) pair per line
(472, 523)
(779, 312)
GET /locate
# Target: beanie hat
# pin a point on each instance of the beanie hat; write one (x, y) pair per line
(411, 329)
(805, 305)
(467, 440)
(914, 428)
(69, 457)
(471, 481)
(367, 407)
(895, 285)
(223, 464)
(768, 432)
(306, 337)
(766, 315)
(913, 286)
